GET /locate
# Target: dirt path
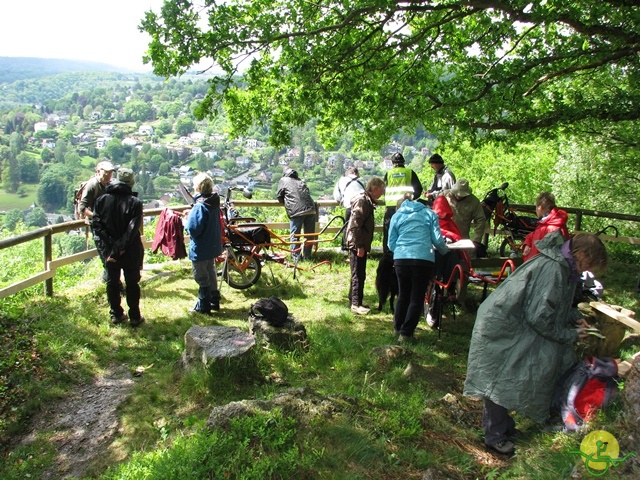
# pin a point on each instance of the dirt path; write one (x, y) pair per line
(84, 425)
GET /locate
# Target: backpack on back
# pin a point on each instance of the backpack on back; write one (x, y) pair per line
(77, 196)
(583, 389)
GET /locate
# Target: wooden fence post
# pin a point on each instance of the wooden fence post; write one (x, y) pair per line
(48, 256)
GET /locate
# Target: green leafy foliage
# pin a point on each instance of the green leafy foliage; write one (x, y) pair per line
(373, 66)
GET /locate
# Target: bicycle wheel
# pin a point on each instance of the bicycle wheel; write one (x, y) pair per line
(433, 305)
(242, 269)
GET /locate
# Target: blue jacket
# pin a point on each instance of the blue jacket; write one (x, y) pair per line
(414, 232)
(203, 226)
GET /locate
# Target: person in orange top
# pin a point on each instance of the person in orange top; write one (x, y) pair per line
(551, 219)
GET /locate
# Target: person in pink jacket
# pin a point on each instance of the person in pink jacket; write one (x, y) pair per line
(551, 219)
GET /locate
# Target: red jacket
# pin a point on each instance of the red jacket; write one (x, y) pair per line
(169, 235)
(448, 227)
(557, 219)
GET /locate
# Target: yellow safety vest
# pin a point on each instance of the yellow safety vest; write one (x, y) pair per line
(398, 183)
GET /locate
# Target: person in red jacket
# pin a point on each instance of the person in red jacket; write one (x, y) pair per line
(551, 219)
(448, 227)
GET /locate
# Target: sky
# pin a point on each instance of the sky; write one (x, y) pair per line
(90, 30)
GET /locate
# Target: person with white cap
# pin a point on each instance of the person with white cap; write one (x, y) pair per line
(467, 210)
(94, 188)
(116, 223)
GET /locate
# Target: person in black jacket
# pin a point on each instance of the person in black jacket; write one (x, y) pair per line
(117, 224)
(301, 210)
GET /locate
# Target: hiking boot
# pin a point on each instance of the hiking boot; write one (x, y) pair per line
(504, 447)
(118, 319)
(136, 322)
(215, 306)
(359, 310)
(514, 435)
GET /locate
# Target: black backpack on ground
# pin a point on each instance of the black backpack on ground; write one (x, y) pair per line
(272, 310)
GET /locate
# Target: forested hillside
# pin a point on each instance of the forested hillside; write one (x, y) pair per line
(54, 129)
(13, 69)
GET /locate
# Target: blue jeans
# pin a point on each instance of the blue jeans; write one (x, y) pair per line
(296, 225)
(204, 273)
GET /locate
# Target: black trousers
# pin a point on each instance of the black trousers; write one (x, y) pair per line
(358, 276)
(496, 422)
(132, 281)
(388, 213)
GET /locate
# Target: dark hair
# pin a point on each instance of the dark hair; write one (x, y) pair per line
(592, 249)
(397, 159)
(436, 158)
(547, 201)
(352, 171)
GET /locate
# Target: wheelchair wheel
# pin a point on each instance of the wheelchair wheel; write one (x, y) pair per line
(511, 247)
(433, 305)
(242, 269)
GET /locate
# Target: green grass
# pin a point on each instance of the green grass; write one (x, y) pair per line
(400, 429)
(12, 201)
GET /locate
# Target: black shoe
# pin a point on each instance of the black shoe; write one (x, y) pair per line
(514, 435)
(136, 322)
(503, 447)
(215, 306)
(117, 320)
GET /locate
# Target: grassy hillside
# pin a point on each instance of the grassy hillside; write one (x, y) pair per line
(10, 201)
(402, 428)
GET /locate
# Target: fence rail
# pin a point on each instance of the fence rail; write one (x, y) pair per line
(50, 265)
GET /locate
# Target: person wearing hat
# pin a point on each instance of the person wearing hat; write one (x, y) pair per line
(116, 223)
(443, 179)
(467, 210)
(95, 187)
(399, 181)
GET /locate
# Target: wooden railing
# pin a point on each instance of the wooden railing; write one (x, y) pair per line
(50, 264)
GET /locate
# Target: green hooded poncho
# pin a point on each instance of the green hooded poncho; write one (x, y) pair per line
(524, 334)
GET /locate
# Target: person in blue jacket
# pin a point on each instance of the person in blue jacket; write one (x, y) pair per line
(414, 234)
(203, 226)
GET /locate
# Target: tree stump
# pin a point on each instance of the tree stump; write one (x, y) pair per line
(224, 351)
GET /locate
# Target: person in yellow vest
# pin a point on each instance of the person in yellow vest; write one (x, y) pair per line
(399, 181)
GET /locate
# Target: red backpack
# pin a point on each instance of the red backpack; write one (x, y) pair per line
(585, 388)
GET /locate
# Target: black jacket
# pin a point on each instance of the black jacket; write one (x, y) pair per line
(295, 195)
(116, 224)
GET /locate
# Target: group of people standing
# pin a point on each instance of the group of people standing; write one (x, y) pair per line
(525, 331)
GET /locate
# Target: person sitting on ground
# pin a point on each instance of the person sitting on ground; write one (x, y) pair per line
(467, 211)
(443, 179)
(346, 188)
(551, 218)
(359, 237)
(116, 222)
(524, 335)
(203, 226)
(301, 210)
(414, 234)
